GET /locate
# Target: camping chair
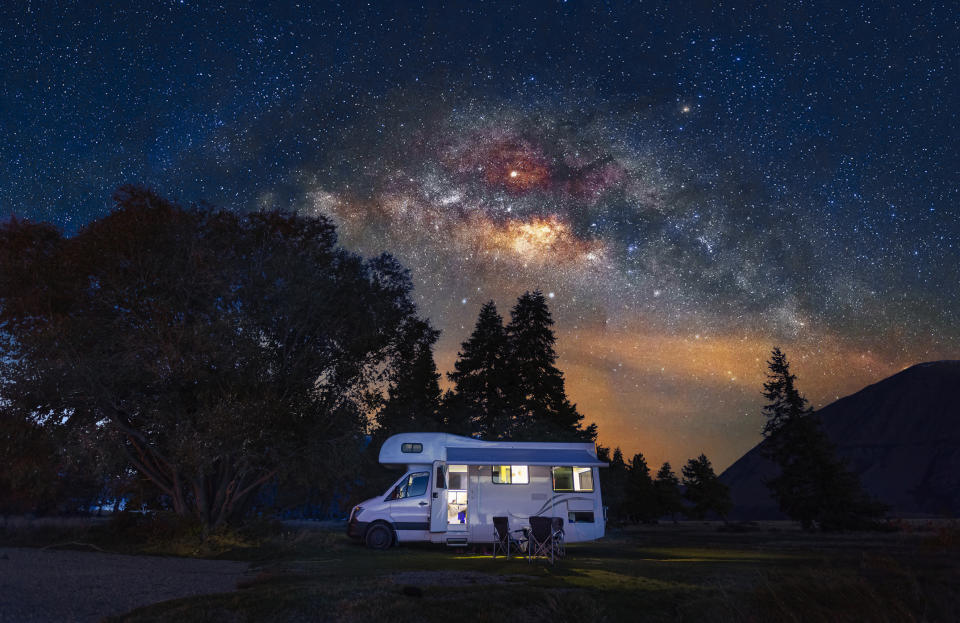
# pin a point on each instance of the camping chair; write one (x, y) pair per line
(503, 539)
(542, 539)
(558, 540)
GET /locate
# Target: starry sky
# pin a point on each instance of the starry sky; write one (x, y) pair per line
(690, 185)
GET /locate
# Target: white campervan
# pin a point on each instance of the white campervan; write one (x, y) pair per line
(453, 487)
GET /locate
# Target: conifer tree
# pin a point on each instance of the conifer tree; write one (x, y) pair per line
(669, 496)
(704, 490)
(641, 498)
(613, 481)
(786, 403)
(482, 379)
(815, 486)
(455, 415)
(413, 398)
(544, 412)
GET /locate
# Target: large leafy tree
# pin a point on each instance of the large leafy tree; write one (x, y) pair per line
(483, 379)
(814, 486)
(544, 412)
(217, 351)
(704, 490)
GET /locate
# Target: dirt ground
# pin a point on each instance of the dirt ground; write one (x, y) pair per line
(37, 585)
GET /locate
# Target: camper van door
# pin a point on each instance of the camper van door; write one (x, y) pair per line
(438, 498)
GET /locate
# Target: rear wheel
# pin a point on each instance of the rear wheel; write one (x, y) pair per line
(379, 536)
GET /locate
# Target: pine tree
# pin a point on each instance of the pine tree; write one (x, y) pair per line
(815, 486)
(412, 403)
(641, 498)
(413, 398)
(455, 415)
(545, 413)
(667, 488)
(704, 490)
(786, 403)
(613, 481)
(482, 380)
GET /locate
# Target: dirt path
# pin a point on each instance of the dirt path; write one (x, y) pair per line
(37, 586)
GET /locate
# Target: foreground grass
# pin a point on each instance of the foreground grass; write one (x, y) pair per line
(691, 572)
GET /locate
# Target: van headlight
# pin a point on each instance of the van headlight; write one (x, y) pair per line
(356, 511)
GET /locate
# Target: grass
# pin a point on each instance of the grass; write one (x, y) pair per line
(687, 572)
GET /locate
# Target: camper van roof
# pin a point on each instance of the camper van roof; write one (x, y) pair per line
(424, 448)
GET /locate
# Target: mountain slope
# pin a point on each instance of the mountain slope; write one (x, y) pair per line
(900, 435)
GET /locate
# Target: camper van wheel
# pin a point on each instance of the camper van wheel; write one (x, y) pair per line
(379, 536)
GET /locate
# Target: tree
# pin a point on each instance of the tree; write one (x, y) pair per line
(217, 351)
(786, 404)
(814, 485)
(412, 404)
(29, 479)
(544, 412)
(413, 397)
(613, 481)
(456, 414)
(640, 497)
(704, 490)
(667, 490)
(482, 380)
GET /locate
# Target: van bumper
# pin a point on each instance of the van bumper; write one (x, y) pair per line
(357, 529)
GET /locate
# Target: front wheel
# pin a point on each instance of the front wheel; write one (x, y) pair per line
(379, 536)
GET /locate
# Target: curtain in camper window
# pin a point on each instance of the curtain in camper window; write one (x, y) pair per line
(572, 479)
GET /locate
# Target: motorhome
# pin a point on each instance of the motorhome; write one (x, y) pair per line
(452, 487)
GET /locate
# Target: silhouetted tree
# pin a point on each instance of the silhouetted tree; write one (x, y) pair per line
(413, 397)
(544, 412)
(704, 490)
(455, 414)
(482, 377)
(613, 482)
(667, 488)
(814, 486)
(412, 403)
(640, 496)
(786, 404)
(29, 479)
(217, 351)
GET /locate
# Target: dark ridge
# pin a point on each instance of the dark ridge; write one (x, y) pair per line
(901, 435)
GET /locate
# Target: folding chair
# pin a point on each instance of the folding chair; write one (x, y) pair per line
(559, 544)
(541, 541)
(503, 539)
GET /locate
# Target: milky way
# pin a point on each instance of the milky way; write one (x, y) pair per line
(689, 190)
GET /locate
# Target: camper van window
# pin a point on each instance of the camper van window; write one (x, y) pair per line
(411, 448)
(583, 479)
(413, 485)
(511, 475)
(572, 479)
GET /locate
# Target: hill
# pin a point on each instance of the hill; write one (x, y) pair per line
(900, 435)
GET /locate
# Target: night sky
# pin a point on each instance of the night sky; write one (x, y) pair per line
(689, 187)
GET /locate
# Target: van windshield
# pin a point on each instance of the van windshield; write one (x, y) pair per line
(413, 485)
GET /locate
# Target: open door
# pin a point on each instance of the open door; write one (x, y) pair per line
(438, 498)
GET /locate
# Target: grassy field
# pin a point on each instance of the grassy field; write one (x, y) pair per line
(685, 572)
